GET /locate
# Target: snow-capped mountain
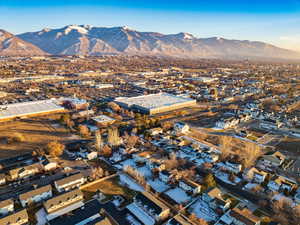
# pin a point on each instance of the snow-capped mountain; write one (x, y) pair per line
(11, 45)
(88, 40)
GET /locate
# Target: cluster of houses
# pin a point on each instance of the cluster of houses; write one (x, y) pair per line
(56, 199)
(216, 205)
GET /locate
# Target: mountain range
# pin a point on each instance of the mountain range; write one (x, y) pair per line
(88, 40)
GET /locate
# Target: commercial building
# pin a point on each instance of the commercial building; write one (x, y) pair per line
(155, 103)
(28, 109)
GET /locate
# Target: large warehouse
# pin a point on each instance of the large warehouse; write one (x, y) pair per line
(155, 103)
(27, 109)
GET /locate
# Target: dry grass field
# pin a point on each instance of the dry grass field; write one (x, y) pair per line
(109, 187)
(34, 132)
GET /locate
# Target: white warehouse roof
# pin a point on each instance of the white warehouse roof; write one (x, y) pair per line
(154, 101)
(28, 108)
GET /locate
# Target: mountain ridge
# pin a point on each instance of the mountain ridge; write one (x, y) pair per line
(11, 45)
(90, 40)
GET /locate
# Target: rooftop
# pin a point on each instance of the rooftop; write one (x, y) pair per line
(153, 101)
(27, 108)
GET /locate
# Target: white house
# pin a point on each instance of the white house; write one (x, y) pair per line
(49, 165)
(239, 215)
(253, 174)
(63, 204)
(216, 200)
(273, 159)
(182, 128)
(148, 209)
(17, 218)
(36, 195)
(6, 207)
(164, 175)
(190, 186)
(70, 182)
(92, 155)
(24, 172)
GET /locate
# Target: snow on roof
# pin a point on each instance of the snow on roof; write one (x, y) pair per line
(153, 101)
(178, 195)
(102, 118)
(141, 214)
(27, 108)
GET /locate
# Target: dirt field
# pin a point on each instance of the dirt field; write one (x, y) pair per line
(110, 187)
(36, 133)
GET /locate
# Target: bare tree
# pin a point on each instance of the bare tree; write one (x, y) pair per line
(225, 146)
(55, 148)
(132, 140)
(113, 138)
(97, 172)
(106, 151)
(285, 212)
(98, 140)
(84, 130)
(250, 153)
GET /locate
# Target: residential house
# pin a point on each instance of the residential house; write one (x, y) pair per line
(63, 204)
(156, 131)
(17, 218)
(165, 176)
(182, 128)
(155, 164)
(239, 215)
(49, 165)
(36, 195)
(24, 172)
(147, 208)
(189, 186)
(255, 175)
(232, 167)
(89, 214)
(281, 183)
(273, 159)
(6, 207)
(70, 182)
(216, 200)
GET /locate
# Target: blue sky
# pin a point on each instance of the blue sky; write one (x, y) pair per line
(276, 22)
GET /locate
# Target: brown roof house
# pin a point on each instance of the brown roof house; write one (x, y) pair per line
(70, 182)
(63, 204)
(24, 172)
(36, 195)
(6, 207)
(17, 218)
(240, 215)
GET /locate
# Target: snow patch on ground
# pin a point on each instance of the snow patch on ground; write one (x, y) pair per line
(178, 195)
(128, 181)
(158, 185)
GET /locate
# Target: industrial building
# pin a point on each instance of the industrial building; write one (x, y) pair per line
(27, 109)
(155, 103)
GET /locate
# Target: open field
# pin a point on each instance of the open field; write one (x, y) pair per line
(36, 133)
(109, 187)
